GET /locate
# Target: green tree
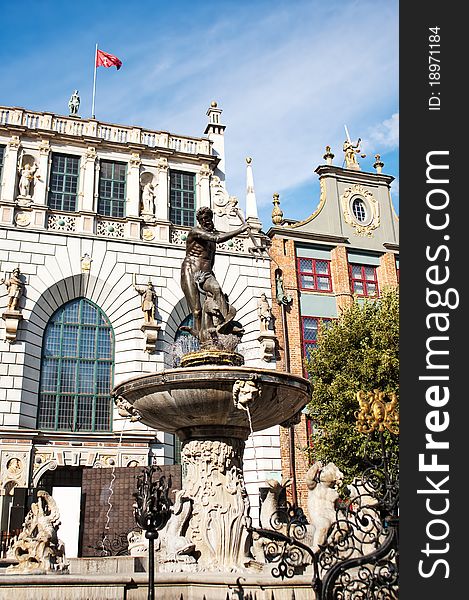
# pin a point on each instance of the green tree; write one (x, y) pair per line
(359, 351)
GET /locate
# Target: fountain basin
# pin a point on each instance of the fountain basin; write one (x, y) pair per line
(193, 400)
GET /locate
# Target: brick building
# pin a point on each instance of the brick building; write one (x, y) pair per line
(347, 247)
(91, 213)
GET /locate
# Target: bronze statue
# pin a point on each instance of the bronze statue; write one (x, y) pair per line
(215, 315)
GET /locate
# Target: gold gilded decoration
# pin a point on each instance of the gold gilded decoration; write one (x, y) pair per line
(378, 410)
(23, 219)
(322, 202)
(373, 219)
(148, 233)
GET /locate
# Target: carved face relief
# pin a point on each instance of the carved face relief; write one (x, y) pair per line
(361, 209)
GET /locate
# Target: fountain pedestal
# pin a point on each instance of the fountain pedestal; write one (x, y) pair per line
(213, 409)
(220, 505)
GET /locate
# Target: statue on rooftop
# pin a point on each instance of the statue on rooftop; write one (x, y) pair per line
(74, 104)
(214, 315)
(350, 149)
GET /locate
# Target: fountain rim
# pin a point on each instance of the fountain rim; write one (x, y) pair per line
(206, 369)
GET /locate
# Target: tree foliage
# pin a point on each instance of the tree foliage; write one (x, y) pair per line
(359, 351)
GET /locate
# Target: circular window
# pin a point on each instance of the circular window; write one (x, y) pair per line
(360, 211)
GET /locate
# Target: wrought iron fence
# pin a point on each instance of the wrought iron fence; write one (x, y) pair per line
(359, 558)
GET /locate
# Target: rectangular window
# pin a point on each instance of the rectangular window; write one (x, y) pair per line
(63, 186)
(310, 326)
(315, 274)
(182, 198)
(364, 280)
(111, 201)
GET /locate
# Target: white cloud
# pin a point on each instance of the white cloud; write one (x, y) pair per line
(384, 136)
(287, 75)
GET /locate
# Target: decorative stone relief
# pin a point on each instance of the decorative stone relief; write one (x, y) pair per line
(86, 261)
(13, 469)
(220, 504)
(148, 233)
(112, 229)
(61, 222)
(23, 218)
(371, 220)
(12, 315)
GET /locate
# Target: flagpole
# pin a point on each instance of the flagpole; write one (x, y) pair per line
(94, 82)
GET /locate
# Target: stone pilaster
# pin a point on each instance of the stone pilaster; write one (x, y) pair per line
(341, 278)
(133, 186)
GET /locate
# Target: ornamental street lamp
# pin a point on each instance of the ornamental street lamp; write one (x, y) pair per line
(152, 511)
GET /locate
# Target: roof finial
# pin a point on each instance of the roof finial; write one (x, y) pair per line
(251, 202)
(328, 156)
(379, 164)
(277, 213)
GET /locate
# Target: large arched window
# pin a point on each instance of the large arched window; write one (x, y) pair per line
(76, 369)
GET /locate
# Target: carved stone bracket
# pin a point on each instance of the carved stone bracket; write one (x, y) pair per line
(268, 342)
(12, 319)
(151, 335)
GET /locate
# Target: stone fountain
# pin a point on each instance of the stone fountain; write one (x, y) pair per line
(212, 403)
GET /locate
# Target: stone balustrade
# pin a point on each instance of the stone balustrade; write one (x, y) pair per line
(75, 126)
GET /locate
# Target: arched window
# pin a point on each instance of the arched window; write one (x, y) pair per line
(76, 369)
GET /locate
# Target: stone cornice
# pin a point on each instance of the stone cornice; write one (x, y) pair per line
(353, 176)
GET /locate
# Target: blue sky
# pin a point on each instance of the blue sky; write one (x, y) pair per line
(287, 74)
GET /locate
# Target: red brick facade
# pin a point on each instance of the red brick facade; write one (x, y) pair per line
(283, 254)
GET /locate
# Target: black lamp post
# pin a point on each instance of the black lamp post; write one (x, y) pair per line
(152, 511)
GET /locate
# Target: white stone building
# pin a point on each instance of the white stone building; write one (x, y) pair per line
(90, 212)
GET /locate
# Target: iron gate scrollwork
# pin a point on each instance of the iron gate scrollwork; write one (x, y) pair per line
(359, 559)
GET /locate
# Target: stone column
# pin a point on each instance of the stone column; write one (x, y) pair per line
(203, 184)
(162, 191)
(41, 186)
(10, 167)
(87, 197)
(88, 180)
(133, 186)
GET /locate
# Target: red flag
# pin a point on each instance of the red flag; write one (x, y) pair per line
(103, 59)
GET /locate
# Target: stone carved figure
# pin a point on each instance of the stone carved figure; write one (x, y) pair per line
(174, 545)
(350, 151)
(27, 173)
(197, 277)
(322, 484)
(264, 312)
(245, 392)
(148, 199)
(15, 289)
(148, 300)
(37, 548)
(74, 103)
(126, 409)
(270, 505)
